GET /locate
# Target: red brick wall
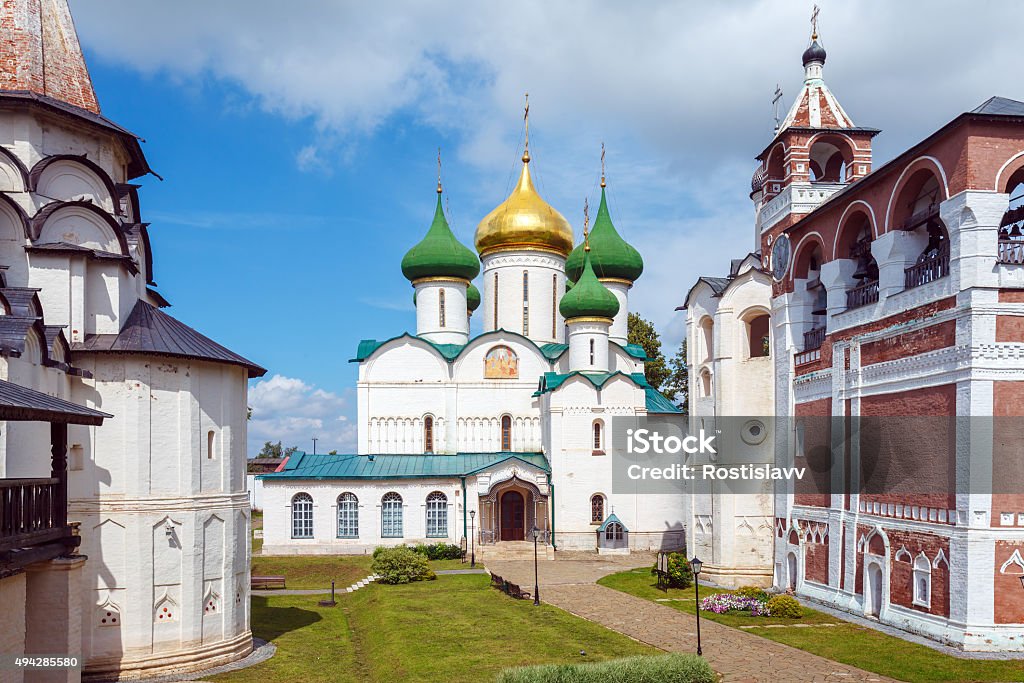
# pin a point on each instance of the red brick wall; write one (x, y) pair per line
(1007, 595)
(813, 420)
(910, 344)
(909, 461)
(1009, 328)
(1011, 296)
(901, 580)
(815, 557)
(1007, 446)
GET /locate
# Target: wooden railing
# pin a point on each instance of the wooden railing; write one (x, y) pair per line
(1011, 251)
(920, 217)
(814, 338)
(927, 271)
(862, 295)
(32, 511)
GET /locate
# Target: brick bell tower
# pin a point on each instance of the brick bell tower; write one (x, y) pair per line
(817, 150)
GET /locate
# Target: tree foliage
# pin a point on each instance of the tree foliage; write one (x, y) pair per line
(642, 332)
(677, 388)
(275, 450)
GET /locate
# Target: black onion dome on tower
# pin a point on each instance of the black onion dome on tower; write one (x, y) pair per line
(814, 53)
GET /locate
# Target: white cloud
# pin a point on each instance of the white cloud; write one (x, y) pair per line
(681, 92)
(289, 410)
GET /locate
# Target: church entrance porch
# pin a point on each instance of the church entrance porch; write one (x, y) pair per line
(508, 513)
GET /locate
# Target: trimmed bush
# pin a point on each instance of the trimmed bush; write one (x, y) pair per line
(400, 565)
(673, 668)
(785, 606)
(439, 551)
(754, 592)
(679, 573)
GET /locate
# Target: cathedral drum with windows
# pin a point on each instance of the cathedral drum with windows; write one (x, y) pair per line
(895, 299)
(499, 434)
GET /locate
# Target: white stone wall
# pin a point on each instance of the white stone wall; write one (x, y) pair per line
(277, 519)
(428, 311)
(546, 273)
(588, 345)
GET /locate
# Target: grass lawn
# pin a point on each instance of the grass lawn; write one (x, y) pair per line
(316, 571)
(848, 643)
(455, 629)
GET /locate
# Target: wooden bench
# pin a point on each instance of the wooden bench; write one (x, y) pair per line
(497, 582)
(257, 582)
(516, 592)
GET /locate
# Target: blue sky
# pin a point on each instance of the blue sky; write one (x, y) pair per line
(297, 142)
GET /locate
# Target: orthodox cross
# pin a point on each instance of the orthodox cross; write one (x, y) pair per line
(602, 165)
(775, 104)
(526, 122)
(439, 170)
(586, 224)
(814, 22)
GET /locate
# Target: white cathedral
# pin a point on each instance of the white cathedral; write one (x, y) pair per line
(489, 438)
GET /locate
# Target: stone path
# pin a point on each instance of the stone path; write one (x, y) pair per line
(739, 656)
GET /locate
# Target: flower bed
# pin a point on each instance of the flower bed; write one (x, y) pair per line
(720, 603)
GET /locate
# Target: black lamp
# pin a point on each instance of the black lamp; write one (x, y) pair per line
(536, 580)
(472, 538)
(695, 565)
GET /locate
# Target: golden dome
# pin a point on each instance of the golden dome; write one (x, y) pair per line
(524, 221)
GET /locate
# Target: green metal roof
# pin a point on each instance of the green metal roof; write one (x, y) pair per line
(451, 351)
(611, 519)
(655, 401)
(634, 350)
(588, 297)
(397, 466)
(611, 255)
(439, 254)
(472, 298)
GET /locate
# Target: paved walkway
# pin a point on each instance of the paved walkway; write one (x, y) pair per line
(739, 656)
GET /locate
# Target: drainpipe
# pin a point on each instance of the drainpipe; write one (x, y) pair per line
(551, 495)
(464, 535)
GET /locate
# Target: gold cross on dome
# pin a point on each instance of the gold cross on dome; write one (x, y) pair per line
(814, 22)
(586, 224)
(439, 170)
(602, 165)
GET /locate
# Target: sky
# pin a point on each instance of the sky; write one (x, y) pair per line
(297, 143)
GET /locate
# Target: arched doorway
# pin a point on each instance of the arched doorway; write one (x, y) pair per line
(512, 511)
(875, 589)
(791, 561)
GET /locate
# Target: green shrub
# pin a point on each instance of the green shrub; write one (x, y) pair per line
(673, 668)
(400, 565)
(679, 573)
(785, 606)
(439, 551)
(755, 592)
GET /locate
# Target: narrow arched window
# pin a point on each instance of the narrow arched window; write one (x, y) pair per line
(526, 303)
(922, 581)
(437, 515)
(613, 532)
(495, 301)
(302, 516)
(348, 516)
(209, 444)
(391, 515)
(591, 351)
(597, 508)
(440, 308)
(554, 305)
(506, 433)
(598, 438)
(428, 434)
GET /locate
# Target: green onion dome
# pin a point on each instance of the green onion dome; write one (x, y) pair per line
(439, 254)
(588, 298)
(611, 255)
(472, 298)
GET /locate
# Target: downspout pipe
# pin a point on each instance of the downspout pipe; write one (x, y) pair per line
(551, 495)
(464, 502)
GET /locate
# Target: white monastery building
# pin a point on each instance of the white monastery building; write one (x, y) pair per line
(495, 435)
(890, 304)
(124, 520)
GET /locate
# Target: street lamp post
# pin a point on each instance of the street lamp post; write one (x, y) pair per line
(472, 538)
(536, 576)
(695, 565)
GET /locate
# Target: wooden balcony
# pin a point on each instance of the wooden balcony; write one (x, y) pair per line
(814, 338)
(862, 295)
(919, 218)
(927, 271)
(32, 512)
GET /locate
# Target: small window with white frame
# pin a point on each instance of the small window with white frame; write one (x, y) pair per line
(922, 581)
